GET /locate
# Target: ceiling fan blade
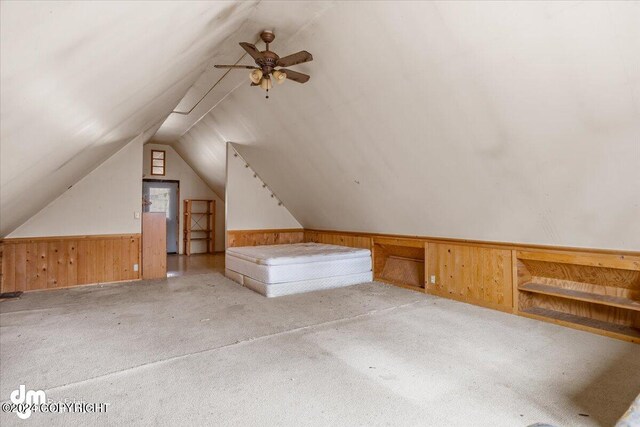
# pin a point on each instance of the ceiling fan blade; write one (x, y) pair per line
(248, 67)
(251, 50)
(296, 58)
(295, 76)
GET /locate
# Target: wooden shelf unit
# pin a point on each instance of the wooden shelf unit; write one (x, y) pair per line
(199, 224)
(595, 292)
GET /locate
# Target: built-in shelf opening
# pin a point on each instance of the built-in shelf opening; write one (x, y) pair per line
(399, 262)
(594, 292)
(595, 298)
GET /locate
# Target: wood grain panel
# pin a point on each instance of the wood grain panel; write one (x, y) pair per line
(9, 268)
(58, 262)
(333, 238)
(154, 245)
(237, 238)
(481, 276)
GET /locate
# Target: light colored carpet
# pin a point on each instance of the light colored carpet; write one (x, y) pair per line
(201, 349)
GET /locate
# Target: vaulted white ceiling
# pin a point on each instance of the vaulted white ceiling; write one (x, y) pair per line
(508, 121)
(491, 120)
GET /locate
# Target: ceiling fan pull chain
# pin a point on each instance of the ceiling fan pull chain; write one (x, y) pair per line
(267, 94)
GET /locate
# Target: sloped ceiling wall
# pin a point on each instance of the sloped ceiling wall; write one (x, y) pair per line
(506, 121)
(250, 203)
(513, 121)
(81, 79)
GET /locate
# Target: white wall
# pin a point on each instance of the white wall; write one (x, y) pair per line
(191, 187)
(103, 202)
(249, 204)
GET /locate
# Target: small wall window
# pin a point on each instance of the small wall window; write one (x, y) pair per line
(158, 162)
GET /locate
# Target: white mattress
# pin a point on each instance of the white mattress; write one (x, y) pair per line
(291, 272)
(302, 286)
(278, 270)
(296, 253)
(297, 262)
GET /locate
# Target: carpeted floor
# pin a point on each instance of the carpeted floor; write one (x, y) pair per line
(201, 349)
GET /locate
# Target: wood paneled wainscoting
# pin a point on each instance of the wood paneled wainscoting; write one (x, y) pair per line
(264, 237)
(30, 264)
(588, 289)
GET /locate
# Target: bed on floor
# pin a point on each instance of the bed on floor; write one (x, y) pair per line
(277, 270)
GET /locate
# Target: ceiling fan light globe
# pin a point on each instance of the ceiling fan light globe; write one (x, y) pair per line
(255, 76)
(279, 76)
(266, 84)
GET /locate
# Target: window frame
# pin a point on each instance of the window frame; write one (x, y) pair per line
(164, 163)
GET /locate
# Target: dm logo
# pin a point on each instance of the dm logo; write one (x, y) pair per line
(25, 399)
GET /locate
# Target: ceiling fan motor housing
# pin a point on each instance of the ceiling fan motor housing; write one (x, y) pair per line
(268, 61)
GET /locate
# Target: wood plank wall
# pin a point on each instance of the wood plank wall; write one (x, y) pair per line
(58, 262)
(477, 275)
(264, 237)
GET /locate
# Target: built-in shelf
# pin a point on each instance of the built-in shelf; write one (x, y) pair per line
(573, 294)
(399, 262)
(593, 325)
(589, 291)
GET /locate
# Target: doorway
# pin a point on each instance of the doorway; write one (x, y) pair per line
(161, 195)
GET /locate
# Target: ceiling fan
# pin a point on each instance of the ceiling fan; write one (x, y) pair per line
(267, 61)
